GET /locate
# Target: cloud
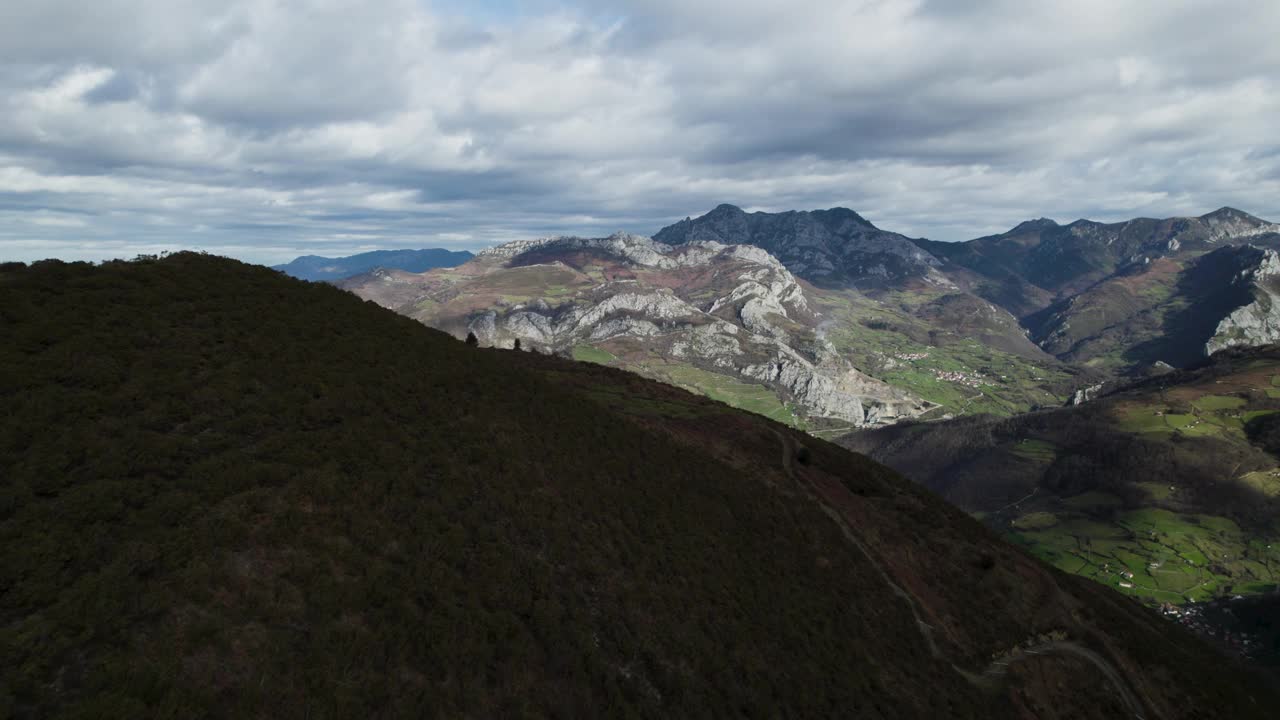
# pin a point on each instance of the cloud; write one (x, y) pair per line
(265, 129)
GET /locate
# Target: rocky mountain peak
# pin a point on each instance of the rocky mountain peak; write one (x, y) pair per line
(1033, 226)
(1257, 322)
(1228, 213)
(820, 245)
(1228, 223)
(837, 215)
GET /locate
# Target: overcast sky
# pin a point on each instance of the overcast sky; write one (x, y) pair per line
(267, 129)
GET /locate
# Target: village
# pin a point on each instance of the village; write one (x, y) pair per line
(960, 377)
(1193, 617)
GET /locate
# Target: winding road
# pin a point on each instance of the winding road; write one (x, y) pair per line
(998, 669)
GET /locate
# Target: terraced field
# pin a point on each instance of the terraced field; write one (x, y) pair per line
(1153, 553)
(1158, 553)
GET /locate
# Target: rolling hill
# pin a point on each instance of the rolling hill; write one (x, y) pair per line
(1168, 489)
(229, 493)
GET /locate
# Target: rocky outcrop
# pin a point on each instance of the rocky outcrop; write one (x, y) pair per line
(837, 390)
(1229, 225)
(1085, 394)
(726, 308)
(632, 248)
(1258, 322)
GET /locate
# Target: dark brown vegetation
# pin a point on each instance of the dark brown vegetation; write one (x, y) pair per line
(227, 493)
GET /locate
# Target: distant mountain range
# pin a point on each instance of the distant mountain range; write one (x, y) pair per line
(880, 326)
(1119, 297)
(733, 322)
(227, 493)
(1115, 297)
(314, 267)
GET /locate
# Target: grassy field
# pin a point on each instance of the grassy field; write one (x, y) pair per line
(753, 398)
(1172, 556)
(587, 353)
(1191, 414)
(1036, 450)
(962, 375)
(1153, 554)
(1169, 487)
(728, 390)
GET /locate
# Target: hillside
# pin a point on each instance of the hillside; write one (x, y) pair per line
(732, 322)
(229, 493)
(1168, 489)
(315, 267)
(1118, 298)
(1040, 261)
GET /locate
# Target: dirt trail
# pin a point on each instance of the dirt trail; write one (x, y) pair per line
(998, 669)
(926, 630)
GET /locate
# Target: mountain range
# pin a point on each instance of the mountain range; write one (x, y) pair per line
(230, 493)
(315, 267)
(875, 326)
(729, 320)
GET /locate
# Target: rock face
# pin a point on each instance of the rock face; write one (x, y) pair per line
(685, 313)
(823, 246)
(1231, 225)
(1257, 323)
(1085, 394)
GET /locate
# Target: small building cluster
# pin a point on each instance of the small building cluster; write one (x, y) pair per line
(963, 378)
(1192, 617)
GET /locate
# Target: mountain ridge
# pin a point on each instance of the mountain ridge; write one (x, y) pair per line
(1037, 271)
(289, 502)
(731, 310)
(316, 267)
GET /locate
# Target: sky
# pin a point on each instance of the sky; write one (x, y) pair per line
(266, 129)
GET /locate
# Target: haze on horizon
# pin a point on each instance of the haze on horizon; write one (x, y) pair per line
(265, 130)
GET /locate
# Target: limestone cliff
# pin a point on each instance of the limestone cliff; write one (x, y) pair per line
(1257, 323)
(685, 313)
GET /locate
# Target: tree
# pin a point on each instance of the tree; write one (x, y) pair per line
(516, 345)
(472, 340)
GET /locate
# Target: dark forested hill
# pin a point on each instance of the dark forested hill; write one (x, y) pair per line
(227, 493)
